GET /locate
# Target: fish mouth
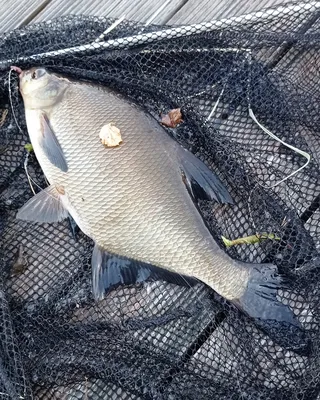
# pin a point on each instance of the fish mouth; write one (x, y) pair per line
(18, 70)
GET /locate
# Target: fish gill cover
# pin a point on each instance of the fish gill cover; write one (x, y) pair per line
(237, 82)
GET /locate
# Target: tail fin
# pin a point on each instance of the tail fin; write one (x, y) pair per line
(272, 316)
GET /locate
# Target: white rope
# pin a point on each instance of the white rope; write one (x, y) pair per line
(25, 164)
(176, 32)
(301, 152)
(11, 105)
(110, 29)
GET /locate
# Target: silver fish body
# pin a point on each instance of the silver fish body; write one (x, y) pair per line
(132, 200)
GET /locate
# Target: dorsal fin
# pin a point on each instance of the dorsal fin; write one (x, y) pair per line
(201, 182)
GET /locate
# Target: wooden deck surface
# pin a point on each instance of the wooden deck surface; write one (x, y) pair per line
(17, 13)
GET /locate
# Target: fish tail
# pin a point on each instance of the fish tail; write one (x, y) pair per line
(260, 297)
(260, 302)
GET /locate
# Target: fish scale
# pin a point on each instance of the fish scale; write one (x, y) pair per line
(136, 200)
(131, 199)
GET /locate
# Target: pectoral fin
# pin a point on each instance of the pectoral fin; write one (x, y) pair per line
(201, 182)
(50, 145)
(110, 271)
(45, 206)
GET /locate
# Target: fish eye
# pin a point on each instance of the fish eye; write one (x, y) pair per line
(37, 73)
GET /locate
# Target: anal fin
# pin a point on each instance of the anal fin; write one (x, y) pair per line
(110, 271)
(45, 206)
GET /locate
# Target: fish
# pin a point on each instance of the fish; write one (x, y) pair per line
(137, 200)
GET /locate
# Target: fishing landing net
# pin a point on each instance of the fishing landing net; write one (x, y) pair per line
(249, 92)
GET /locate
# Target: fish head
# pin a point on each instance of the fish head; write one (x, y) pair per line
(41, 89)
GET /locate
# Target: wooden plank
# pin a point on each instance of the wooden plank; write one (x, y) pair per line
(140, 10)
(196, 11)
(16, 13)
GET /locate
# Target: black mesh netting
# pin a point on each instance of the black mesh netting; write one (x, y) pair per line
(157, 340)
